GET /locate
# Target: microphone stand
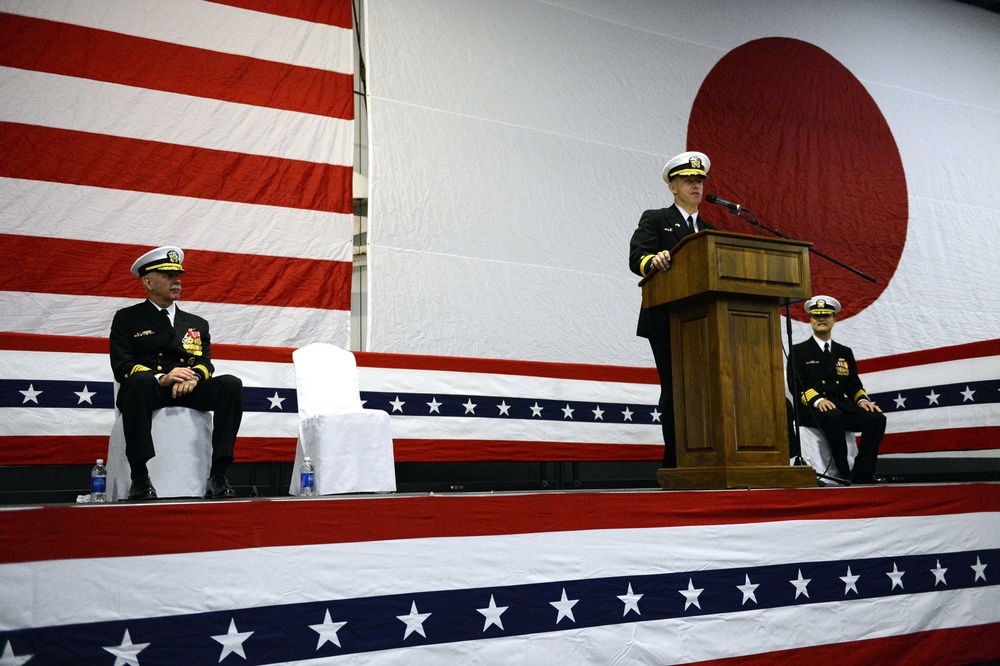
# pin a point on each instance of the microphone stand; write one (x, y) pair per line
(751, 218)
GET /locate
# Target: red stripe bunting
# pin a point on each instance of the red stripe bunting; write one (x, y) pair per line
(60, 266)
(954, 439)
(277, 523)
(70, 50)
(98, 160)
(980, 349)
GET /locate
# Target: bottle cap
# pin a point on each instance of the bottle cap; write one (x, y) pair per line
(100, 461)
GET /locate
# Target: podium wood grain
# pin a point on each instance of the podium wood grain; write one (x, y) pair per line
(724, 292)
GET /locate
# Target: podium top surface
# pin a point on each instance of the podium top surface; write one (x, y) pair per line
(720, 262)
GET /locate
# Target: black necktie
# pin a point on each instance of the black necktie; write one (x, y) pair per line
(691, 223)
(166, 316)
(826, 348)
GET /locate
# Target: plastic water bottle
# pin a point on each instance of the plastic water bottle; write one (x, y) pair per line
(99, 482)
(306, 478)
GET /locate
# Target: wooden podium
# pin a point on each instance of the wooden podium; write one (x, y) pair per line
(724, 292)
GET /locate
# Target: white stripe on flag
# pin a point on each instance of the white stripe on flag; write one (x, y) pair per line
(90, 316)
(206, 25)
(65, 102)
(120, 216)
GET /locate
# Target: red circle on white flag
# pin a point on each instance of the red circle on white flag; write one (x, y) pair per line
(795, 137)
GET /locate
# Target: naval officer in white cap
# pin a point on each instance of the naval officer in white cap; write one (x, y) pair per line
(162, 356)
(830, 395)
(659, 231)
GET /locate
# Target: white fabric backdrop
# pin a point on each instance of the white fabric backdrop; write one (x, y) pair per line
(514, 144)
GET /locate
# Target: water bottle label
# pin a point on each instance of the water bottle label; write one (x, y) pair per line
(98, 484)
(307, 480)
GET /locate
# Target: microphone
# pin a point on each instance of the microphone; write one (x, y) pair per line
(733, 208)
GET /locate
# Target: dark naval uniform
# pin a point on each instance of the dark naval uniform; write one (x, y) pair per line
(659, 230)
(145, 345)
(833, 375)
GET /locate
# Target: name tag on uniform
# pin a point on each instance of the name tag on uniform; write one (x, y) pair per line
(142, 333)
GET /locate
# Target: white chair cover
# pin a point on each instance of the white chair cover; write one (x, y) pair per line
(816, 452)
(183, 441)
(350, 447)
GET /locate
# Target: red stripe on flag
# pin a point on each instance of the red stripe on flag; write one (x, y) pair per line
(278, 523)
(69, 50)
(330, 12)
(99, 160)
(931, 441)
(60, 266)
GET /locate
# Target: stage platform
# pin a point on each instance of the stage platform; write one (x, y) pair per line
(874, 574)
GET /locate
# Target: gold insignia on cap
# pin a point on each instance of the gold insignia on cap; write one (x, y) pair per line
(820, 303)
(173, 257)
(696, 162)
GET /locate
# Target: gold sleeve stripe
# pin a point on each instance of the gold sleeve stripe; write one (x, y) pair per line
(860, 395)
(809, 396)
(644, 264)
(203, 370)
(136, 368)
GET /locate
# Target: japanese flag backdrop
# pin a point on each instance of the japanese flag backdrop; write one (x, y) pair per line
(515, 144)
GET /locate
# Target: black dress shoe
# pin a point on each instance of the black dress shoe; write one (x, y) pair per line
(219, 488)
(142, 490)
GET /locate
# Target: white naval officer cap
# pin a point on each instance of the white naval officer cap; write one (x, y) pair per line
(691, 163)
(167, 258)
(822, 305)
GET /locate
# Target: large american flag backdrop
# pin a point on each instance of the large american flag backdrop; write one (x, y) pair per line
(904, 574)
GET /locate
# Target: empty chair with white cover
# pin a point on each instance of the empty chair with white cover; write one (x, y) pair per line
(350, 447)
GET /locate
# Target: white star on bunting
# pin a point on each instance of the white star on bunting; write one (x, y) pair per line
(656, 416)
(84, 397)
(536, 410)
(31, 395)
(470, 407)
(397, 405)
(565, 607)
(492, 614)
(127, 654)
(9, 659)
(932, 398)
(414, 621)
(748, 590)
(850, 582)
(631, 601)
(504, 408)
(691, 595)
(568, 411)
(939, 574)
(327, 631)
(900, 401)
(434, 406)
(801, 585)
(980, 570)
(968, 394)
(627, 414)
(232, 641)
(276, 401)
(598, 413)
(896, 576)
